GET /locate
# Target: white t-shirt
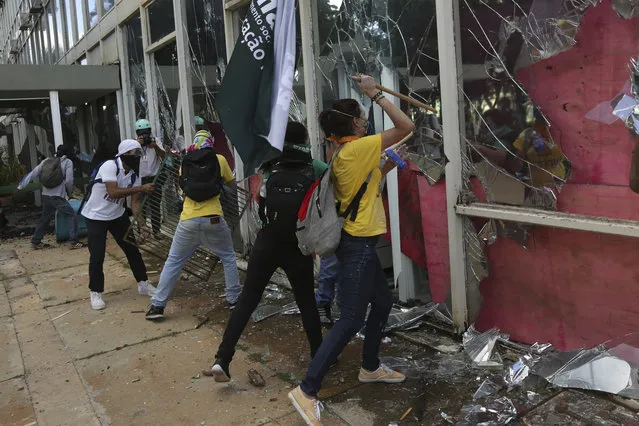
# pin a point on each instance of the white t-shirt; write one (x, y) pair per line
(100, 206)
(66, 187)
(150, 162)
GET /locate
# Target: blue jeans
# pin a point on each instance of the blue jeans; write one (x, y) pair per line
(189, 235)
(326, 282)
(49, 206)
(362, 281)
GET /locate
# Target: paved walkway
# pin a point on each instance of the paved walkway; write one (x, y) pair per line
(62, 363)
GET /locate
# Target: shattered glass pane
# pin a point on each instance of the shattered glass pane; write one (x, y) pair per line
(498, 412)
(205, 28)
(612, 367)
(510, 145)
(479, 347)
(488, 387)
(626, 9)
(168, 87)
(137, 76)
(396, 43)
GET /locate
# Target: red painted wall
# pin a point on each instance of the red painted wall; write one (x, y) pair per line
(570, 288)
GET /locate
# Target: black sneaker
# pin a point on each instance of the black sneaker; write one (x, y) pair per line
(220, 371)
(155, 313)
(325, 315)
(231, 306)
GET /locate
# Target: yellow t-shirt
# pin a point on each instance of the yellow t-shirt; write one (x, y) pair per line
(350, 169)
(209, 207)
(552, 160)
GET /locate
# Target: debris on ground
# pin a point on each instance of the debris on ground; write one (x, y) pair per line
(487, 388)
(265, 311)
(499, 412)
(611, 367)
(479, 347)
(255, 378)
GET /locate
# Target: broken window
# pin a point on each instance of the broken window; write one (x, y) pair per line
(396, 43)
(137, 76)
(168, 90)
(205, 28)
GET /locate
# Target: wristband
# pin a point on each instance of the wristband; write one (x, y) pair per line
(401, 164)
(377, 96)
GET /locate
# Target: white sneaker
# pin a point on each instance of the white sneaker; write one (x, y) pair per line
(96, 301)
(146, 289)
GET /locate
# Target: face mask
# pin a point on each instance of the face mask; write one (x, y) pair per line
(132, 162)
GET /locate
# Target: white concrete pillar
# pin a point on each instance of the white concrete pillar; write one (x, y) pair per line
(308, 61)
(231, 33)
(184, 69)
(121, 115)
(403, 269)
(56, 118)
(450, 66)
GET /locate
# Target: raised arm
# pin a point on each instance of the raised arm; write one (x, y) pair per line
(403, 124)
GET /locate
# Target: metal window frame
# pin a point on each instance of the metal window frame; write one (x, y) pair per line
(163, 42)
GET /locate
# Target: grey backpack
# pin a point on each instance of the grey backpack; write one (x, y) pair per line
(319, 230)
(51, 173)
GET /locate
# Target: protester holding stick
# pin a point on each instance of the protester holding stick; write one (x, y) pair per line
(362, 279)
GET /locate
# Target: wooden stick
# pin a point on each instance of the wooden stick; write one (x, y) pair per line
(398, 144)
(408, 99)
(406, 414)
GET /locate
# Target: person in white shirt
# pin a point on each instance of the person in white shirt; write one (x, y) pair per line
(105, 211)
(152, 156)
(54, 198)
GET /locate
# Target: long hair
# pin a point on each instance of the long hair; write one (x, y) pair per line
(338, 120)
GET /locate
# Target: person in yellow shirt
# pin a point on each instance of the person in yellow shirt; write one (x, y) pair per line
(361, 278)
(201, 222)
(546, 158)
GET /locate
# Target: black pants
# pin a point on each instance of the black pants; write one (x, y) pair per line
(267, 255)
(97, 230)
(153, 203)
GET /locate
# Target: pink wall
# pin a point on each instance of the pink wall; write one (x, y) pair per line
(570, 288)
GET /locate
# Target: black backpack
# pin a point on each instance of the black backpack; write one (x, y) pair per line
(201, 177)
(285, 190)
(51, 174)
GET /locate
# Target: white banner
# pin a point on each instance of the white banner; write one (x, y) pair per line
(284, 70)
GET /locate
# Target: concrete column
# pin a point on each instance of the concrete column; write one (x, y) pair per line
(127, 119)
(231, 33)
(56, 118)
(121, 115)
(152, 110)
(449, 46)
(403, 270)
(184, 69)
(308, 62)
